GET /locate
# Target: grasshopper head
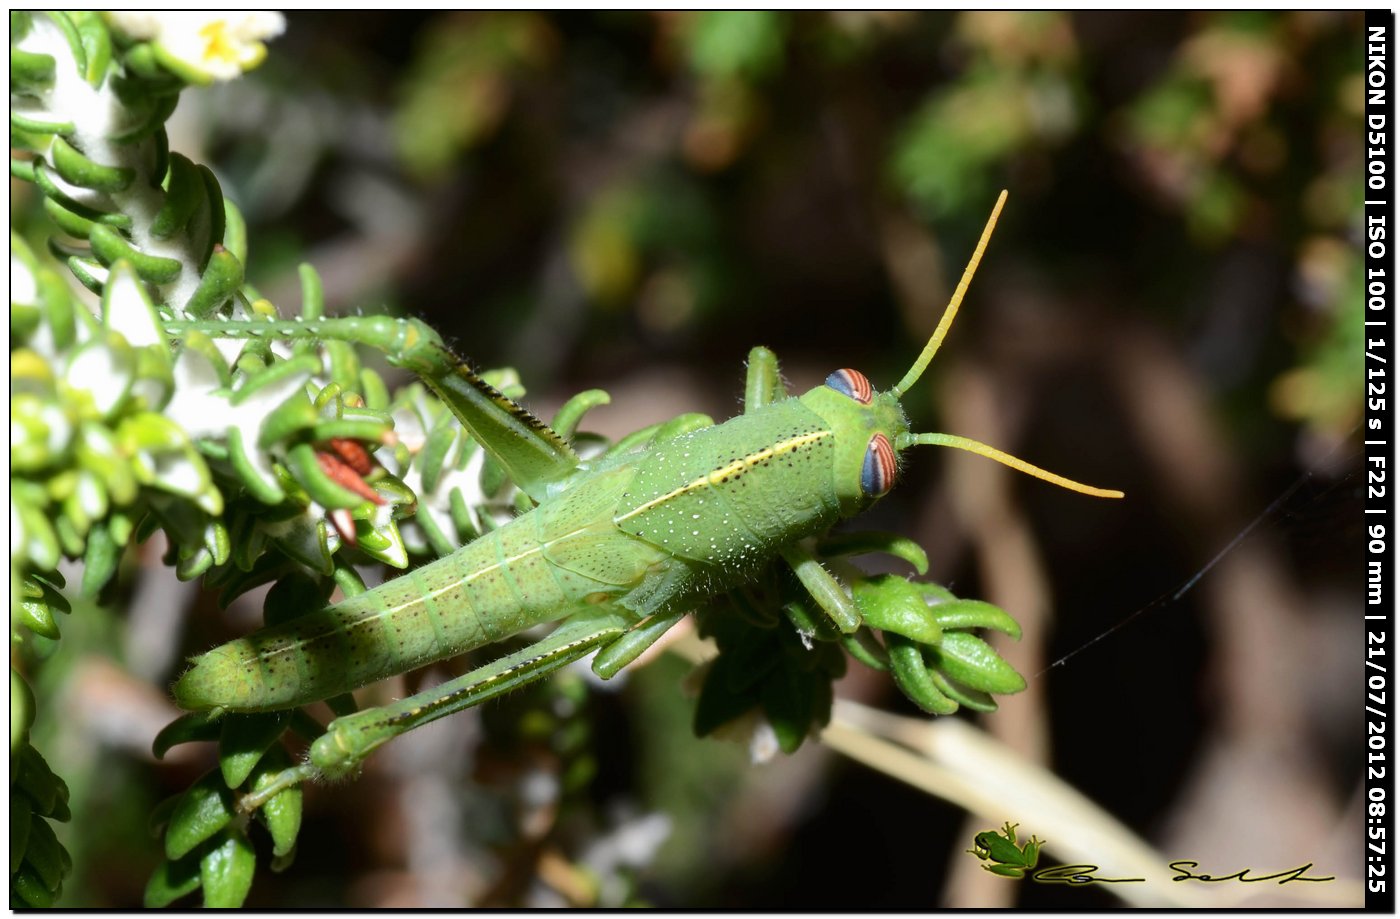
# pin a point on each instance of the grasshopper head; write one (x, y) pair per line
(868, 427)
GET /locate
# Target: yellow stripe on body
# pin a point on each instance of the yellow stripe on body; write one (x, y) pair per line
(715, 477)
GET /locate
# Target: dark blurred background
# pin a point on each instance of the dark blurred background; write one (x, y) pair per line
(1171, 306)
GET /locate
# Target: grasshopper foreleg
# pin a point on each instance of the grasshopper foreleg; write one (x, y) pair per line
(762, 382)
(630, 645)
(829, 593)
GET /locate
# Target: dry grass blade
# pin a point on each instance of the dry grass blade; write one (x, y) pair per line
(960, 763)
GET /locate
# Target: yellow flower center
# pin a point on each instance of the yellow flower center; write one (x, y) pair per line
(217, 44)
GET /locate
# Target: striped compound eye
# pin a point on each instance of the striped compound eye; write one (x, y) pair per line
(877, 472)
(851, 383)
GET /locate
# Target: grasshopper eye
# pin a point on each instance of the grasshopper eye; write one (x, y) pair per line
(851, 383)
(877, 472)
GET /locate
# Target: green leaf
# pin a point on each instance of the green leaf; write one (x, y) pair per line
(235, 232)
(974, 699)
(307, 471)
(36, 616)
(222, 275)
(97, 44)
(21, 711)
(184, 194)
(76, 169)
(70, 34)
(38, 121)
(21, 817)
(891, 603)
(434, 453)
(249, 465)
(970, 660)
(313, 299)
(217, 215)
(975, 614)
(566, 420)
(31, 890)
(744, 665)
(44, 854)
(718, 705)
(283, 422)
(866, 648)
(819, 626)
(788, 701)
(97, 452)
(243, 741)
(870, 541)
(100, 560)
(304, 538)
(282, 814)
(205, 809)
(912, 677)
(30, 69)
(67, 221)
(37, 780)
(170, 881)
(109, 247)
(226, 872)
(294, 595)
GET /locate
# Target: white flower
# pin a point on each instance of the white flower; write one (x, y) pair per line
(206, 45)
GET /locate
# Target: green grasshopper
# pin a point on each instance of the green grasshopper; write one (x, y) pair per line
(619, 547)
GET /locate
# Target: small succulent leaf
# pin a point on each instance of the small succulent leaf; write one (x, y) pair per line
(294, 595)
(44, 854)
(891, 603)
(744, 666)
(204, 810)
(244, 739)
(971, 661)
(100, 560)
(870, 541)
(29, 888)
(912, 676)
(975, 614)
(808, 624)
(973, 699)
(566, 420)
(21, 818)
(718, 705)
(788, 702)
(304, 538)
(226, 871)
(281, 814)
(37, 780)
(170, 881)
(308, 472)
(866, 648)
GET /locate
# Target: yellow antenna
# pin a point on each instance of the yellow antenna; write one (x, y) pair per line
(951, 312)
(981, 449)
(904, 441)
